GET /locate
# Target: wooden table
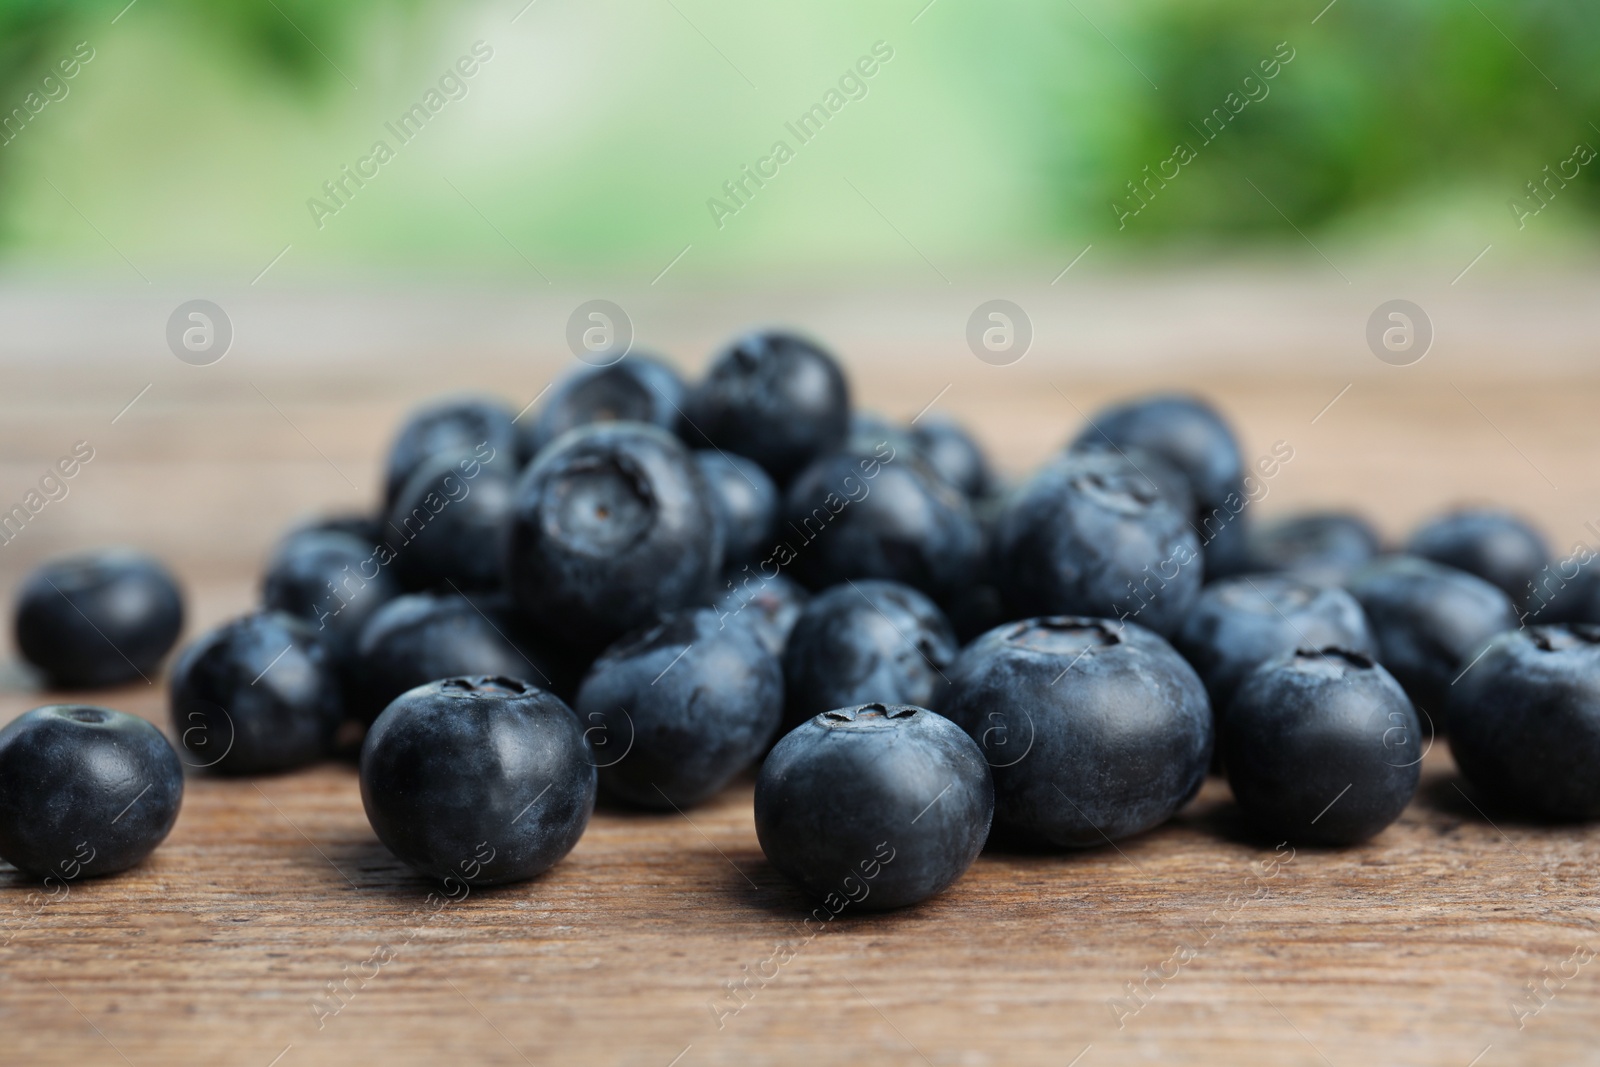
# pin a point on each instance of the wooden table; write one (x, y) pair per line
(1189, 944)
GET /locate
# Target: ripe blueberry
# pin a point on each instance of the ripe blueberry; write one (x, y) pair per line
(771, 606)
(882, 514)
(1321, 546)
(874, 807)
(334, 581)
(746, 503)
(1095, 730)
(1429, 620)
(639, 388)
(98, 619)
(681, 707)
(1525, 721)
(611, 526)
(862, 642)
(258, 694)
(84, 791)
(447, 522)
(485, 780)
(954, 454)
(453, 426)
(1321, 747)
(1489, 542)
(1090, 535)
(775, 397)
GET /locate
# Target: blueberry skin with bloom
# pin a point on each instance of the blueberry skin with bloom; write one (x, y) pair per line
(1090, 535)
(1157, 470)
(1095, 730)
(1525, 721)
(255, 695)
(874, 807)
(1240, 623)
(1322, 747)
(611, 526)
(775, 397)
(446, 524)
(1491, 543)
(98, 619)
(422, 637)
(84, 791)
(881, 514)
(953, 454)
(770, 606)
(638, 388)
(865, 642)
(1321, 546)
(683, 707)
(452, 426)
(334, 581)
(1429, 620)
(1185, 431)
(482, 779)
(746, 503)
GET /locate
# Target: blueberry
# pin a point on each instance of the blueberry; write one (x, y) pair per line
(610, 527)
(869, 431)
(1567, 591)
(446, 524)
(84, 791)
(953, 454)
(1525, 721)
(639, 388)
(1095, 730)
(681, 707)
(774, 397)
(1322, 747)
(746, 502)
(770, 606)
(1240, 623)
(884, 515)
(1493, 544)
(1322, 546)
(258, 694)
(862, 642)
(484, 780)
(422, 637)
(455, 427)
(332, 580)
(1090, 535)
(1159, 472)
(1429, 620)
(368, 529)
(98, 619)
(874, 807)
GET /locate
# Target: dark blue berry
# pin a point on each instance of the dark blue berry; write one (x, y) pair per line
(98, 619)
(865, 642)
(451, 427)
(1321, 747)
(639, 388)
(447, 523)
(954, 454)
(1183, 430)
(881, 514)
(482, 780)
(84, 791)
(1240, 623)
(1494, 544)
(746, 502)
(1090, 535)
(682, 707)
(874, 807)
(258, 694)
(775, 397)
(1525, 721)
(1095, 730)
(770, 606)
(1321, 546)
(422, 637)
(611, 526)
(1430, 621)
(334, 581)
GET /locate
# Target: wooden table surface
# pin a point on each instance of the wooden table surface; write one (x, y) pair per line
(1190, 944)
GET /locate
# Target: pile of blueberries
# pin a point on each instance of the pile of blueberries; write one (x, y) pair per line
(651, 586)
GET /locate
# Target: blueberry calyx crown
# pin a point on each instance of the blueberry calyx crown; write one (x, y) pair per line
(1564, 638)
(1358, 660)
(1118, 492)
(1065, 634)
(84, 713)
(485, 683)
(867, 715)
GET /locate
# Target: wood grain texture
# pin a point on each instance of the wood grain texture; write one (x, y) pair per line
(1410, 949)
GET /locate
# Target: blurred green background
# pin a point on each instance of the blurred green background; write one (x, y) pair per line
(595, 135)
